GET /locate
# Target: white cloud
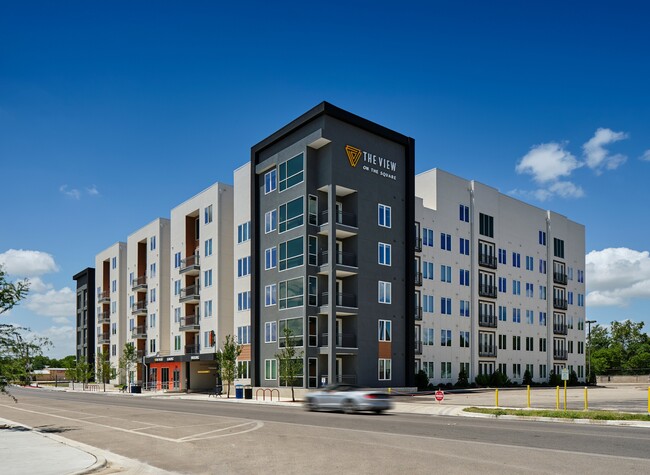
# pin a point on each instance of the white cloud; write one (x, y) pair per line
(53, 303)
(70, 193)
(62, 338)
(566, 189)
(597, 157)
(547, 162)
(645, 156)
(615, 276)
(61, 320)
(26, 263)
(92, 190)
(37, 285)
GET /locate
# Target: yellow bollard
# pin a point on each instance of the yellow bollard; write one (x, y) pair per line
(565, 394)
(557, 398)
(586, 400)
(649, 399)
(528, 395)
(496, 397)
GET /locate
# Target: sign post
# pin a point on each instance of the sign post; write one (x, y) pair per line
(439, 395)
(565, 378)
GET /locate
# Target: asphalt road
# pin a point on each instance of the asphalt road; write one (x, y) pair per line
(220, 437)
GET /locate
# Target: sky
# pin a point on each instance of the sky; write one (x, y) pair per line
(112, 113)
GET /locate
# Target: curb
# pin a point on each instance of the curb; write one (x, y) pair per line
(562, 420)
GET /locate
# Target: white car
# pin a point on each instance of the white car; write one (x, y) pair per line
(348, 398)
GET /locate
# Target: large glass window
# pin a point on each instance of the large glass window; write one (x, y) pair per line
(313, 210)
(270, 258)
(291, 214)
(385, 330)
(270, 332)
(385, 292)
(270, 221)
(291, 253)
(384, 254)
(384, 219)
(270, 295)
(270, 370)
(270, 181)
(295, 326)
(291, 172)
(384, 369)
(291, 293)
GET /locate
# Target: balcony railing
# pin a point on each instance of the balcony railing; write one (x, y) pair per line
(343, 340)
(103, 297)
(418, 347)
(342, 218)
(342, 299)
(139, 332)
(418, 244)
(104, 317)
(559, 354)
(140, 283)
(559, 278)
(487, 260)
(190, 293)
(103, 338)
(192, 349)
(490, 351)
(560, 328)
(487, 291)
(343, 258)
(190, 322)
(190, 263)
(560, 304)
(418, 312)
(418, 278)
(487, 320)
(139, 307)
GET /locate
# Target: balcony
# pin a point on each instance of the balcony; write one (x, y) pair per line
(418, 279)
(190, 294)
(559, 278)
(487, 320)
(487, 260)
(190, 323)
(104, 297)
(418, 244)
(139, 332)
(190, 265)
(103, 338)
(192, 349)
(418, 347)
(418, 313)
(346, 224)
(139, 283)
(346, 263)
(560, 329)
(343, 340)
(139, 308)
(560, 304)
(487, 351)
(346, 303)
(560, 355)
(485, 290)
(104, 317)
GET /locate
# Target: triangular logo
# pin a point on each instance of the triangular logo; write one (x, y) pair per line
(353, 154)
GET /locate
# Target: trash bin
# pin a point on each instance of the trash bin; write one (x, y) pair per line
(239, 391)
(135, 389)
(248, 392)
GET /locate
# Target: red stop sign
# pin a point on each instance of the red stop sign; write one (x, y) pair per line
(439, 395)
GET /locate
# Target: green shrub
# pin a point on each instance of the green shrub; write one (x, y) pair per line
(421, 380)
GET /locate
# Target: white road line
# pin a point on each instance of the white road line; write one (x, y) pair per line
(213, 431)
(258, 425)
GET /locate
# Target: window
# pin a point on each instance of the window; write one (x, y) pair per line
(291, 253)
(542, 238)
(152, 320)
(384, 216)
(207, 278)
(427, 270)
(385, 292)
(243, 369)
(312, 210)
(244, 300)
(503, 342)
(270, 370)
(542, 319)
(177, 342)
(291, 214)
(270, 332)
(445, 241)
(385, 330)
(464, 277)
(177, 315)
(464, 213)
(207, 309)
(558, 248)
(113, 328)
(312, 250)
(208, 247)
(581, 276)
(152, 295)
(113, 350)
(152, 243)
(427, 303)
(542, 292)
(542, 371)
(516, 343)
(270, 295)
(516, 287)
(445, 369)
(503, 284)
(445, 337)
(270, 221)
(177, 260)
(243, 266)
(464, 246)
(464, 308)
(516, 370)
(243, 232)
(503, 313)
(295, 325)
(270, 181)
(445, 306)
(291, 293)
(270, 258)
(516, 259)
(114, 286)
(503, 256)
(530, 317)
(530, 263)
(208, 339)
(152, 270)
(464, 339)
(244, 335)
(312, 290)
(530, 290)
(208, 214)
(384, 254)
(152, 346)
(581, 300)
(428, 336)
(427, 367)
(427, 237)
(569, 296)
(516, 315)
(445, 274)
(113, 307)
(291, 172)
(384, 369)
(486, 225)
(542, 266)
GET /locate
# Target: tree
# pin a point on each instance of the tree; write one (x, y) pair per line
(127, 361)
(227, 360)
(528, 378)
(462, 379)
(11, 292)
(290, 361)
(79, 371)
(104, 371)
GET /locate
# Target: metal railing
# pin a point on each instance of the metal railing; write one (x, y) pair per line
(418, 347)
(487, 260)
(190, 292)
(487, 320)
(192, 349)
(560, 304)
(485, 350)
(103, 338)
(103, 296)
(189, 322)
(342, 299)
(343, 218)
(560, 328)
(343, 258)
(560, 354)
(139, 332)
(140, 282)
(418, 312)
(190, 262)
(104, 317)
(343, 340)
(139, 307)
(418, 244)
(418, 278)
(559, 278)
(487, 291)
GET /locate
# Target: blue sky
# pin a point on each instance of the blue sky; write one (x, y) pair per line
(112, 113)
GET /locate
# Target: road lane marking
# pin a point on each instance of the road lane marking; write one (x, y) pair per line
(196, 436)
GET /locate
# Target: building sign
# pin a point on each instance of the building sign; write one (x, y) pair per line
(371, 163)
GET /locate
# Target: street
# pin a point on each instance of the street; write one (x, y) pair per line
(218, 436)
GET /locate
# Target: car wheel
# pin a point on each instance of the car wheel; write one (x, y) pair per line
(349, 407)
(379, 411)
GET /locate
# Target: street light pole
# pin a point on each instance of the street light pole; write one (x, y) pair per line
(589, 322)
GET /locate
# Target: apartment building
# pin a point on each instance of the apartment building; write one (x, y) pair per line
(499, 284)
(148, 266)
(332, 248)
(85, 312)
(200, 291)
(110, 279)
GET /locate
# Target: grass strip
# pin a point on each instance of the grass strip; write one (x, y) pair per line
(593, 415)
